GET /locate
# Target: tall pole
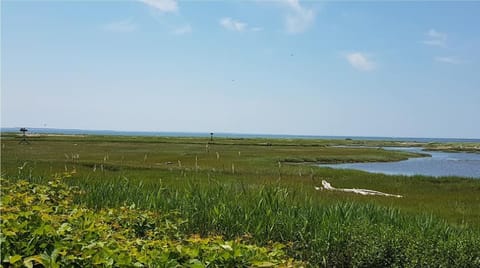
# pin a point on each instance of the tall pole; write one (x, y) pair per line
(24, 136)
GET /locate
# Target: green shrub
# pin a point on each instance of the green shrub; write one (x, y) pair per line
(41, 226)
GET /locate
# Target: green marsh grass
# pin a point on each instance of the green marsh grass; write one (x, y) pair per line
(266, 197)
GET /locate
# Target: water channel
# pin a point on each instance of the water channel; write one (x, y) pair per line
(439, 164)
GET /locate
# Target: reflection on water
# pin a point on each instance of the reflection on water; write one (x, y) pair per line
(440, 164)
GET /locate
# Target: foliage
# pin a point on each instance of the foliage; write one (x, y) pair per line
(343, 234)
(111, 159)
(188, 191)
(40, 226)
(263, 226)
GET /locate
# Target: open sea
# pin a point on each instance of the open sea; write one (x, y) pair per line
(229, 135)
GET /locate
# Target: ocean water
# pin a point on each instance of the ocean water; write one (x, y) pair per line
(230, 135)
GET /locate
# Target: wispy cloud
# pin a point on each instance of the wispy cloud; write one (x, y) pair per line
(435, 38)
(122, 26)
(299, 18)
(164, 6)
(161, 7)
(360, 61)
(185, 29)
(233, 25)
(449, 60)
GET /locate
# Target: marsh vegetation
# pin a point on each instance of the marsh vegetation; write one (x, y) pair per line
(262, 192)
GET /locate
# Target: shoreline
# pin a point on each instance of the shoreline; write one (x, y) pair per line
(233, 135)
(307, 141)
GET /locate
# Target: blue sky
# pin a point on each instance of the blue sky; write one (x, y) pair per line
(404, 69)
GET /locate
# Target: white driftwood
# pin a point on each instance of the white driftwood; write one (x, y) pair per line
(328, 186)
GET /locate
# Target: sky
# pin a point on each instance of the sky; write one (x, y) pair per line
(361, 68)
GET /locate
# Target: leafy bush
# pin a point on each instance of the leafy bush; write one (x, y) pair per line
(41, 226)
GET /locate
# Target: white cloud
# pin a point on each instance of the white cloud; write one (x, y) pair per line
(185, 29)
(435, 38)
(449, 60)
(162, 5)
(122, 26)
(360, 61)
(299, 18)
(233, 25)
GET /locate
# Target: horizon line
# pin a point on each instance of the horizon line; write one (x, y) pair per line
(236, 133)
